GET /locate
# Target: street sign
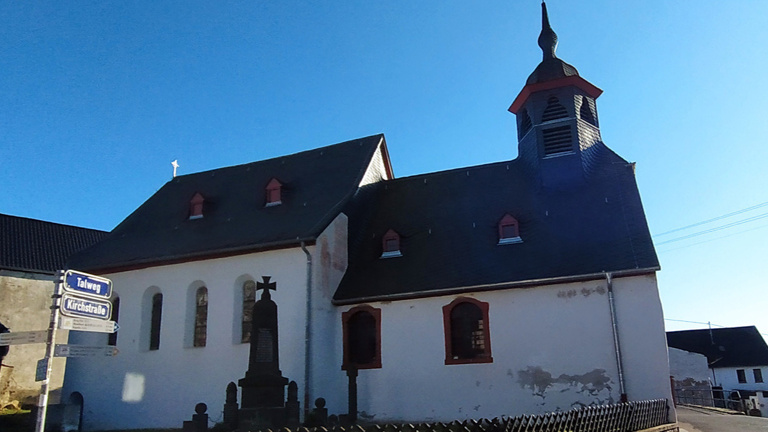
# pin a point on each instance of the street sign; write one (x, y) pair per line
(20, 338)
(62, 350)
(87, 284)
(87, 325)
(74, 306)
(42, 369)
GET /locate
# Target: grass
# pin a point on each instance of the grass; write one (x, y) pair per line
(12, 420)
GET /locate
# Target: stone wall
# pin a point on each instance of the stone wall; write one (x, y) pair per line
(25, 305)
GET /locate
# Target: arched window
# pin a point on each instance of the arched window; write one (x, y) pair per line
(249, 298)
(467, 336)
(155, 320)
(201, 317)
(362, 337)
(112, 339)
(509, 230)
(196, 206)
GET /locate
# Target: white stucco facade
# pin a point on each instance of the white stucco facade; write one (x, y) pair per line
(728, 378)
(552, 349)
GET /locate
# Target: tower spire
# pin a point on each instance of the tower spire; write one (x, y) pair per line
(547, 37)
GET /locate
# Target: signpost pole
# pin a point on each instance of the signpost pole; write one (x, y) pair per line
(42, 405)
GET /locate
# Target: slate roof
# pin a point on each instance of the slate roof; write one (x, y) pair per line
(316, 184)
(448, 223)
(724, 347)
(36, 246)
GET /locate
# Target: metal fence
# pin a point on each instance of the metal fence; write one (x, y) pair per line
(625, 417)
(711, 397)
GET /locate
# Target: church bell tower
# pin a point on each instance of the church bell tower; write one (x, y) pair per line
(557, 125)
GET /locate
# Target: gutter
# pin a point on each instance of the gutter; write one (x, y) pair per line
(616, 342)
(307, 332)
(197, 256)
(494, 287)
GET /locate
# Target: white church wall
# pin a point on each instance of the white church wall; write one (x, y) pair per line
(140, 388)
(552, 349)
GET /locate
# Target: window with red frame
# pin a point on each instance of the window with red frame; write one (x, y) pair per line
(390, 245)
(509, 230)
(467, 336)
(362, 337)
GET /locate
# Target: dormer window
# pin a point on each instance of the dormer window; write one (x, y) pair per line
(390, 245)
(196, 206)
(274, 193)
(509, 230)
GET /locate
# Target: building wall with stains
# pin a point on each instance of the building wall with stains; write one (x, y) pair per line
(552, 347)
(25, 305)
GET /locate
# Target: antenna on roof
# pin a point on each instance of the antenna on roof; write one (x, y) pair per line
(175, 165)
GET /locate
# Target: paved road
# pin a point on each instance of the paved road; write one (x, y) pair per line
(701, 420)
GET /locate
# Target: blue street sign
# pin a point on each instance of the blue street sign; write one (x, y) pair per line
(85, 307)
(86, 284)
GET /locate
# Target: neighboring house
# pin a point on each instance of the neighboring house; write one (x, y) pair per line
(522, 286)
(31, 251)
(737, 356)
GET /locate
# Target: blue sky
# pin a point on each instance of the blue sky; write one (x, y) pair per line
(97, 98)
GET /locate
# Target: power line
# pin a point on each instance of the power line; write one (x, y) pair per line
(703, 323)
(718, 228)
(744, 210)
(713, 239)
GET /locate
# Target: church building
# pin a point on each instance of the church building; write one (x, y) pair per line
(516, 287)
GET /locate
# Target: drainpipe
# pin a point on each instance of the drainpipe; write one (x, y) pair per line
(307, 332)
(616, 343)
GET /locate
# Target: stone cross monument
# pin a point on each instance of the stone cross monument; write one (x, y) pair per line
(263, 396)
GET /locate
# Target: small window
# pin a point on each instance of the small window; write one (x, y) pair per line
(274, 193)
(390, 245)
(758, 375)
(509, 231)
(362, 337)
(112, 339)
(742, 377)
(249, 299)
(196, 206)
(201, 317)
(467, 336)
(157, 316)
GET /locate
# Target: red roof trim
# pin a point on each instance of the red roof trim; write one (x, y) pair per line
(573, 80)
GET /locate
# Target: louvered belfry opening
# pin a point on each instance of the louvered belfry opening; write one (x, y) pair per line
(557, 140)
(525, 123)
(585, 112)
(554, 110)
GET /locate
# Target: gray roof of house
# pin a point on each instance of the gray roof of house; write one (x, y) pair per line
(448, 225)
(316, 185)
(36, 246)
(724, 347)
